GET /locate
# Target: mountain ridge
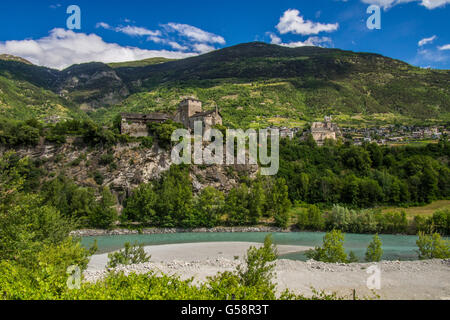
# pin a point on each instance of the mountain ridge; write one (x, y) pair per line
(266, 80)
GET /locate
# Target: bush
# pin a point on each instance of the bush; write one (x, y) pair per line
(26, 227)
(140, 206)
(131, 254)
(441, 221)
(147, 142)
(106, 159)
(163, 132)
(279, 203)
(259, 265)
(374, 251)
(302, 219)
(352, 257)
(422, 224)
(332, 250)
(433, 247)
(104, 215)
(208, 208)
(99, 178)
(315, 218)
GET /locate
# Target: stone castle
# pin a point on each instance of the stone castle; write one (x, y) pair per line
(325, 130)
(189, 111)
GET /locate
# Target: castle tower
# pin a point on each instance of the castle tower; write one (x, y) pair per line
(187, 109)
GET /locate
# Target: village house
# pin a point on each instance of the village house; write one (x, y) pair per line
(189, 111)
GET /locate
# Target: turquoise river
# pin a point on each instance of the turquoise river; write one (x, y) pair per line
(395, 247)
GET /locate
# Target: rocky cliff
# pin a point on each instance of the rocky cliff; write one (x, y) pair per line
(123, 167)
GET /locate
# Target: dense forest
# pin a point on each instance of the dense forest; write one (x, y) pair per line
(356, 178)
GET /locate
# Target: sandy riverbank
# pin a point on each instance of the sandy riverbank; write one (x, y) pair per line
(399, 280)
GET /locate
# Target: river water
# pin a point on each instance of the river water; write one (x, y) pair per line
(395, 247)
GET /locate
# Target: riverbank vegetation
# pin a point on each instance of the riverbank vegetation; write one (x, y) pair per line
(311, 218)
(46, 278)
(332, 187)
(332, 250)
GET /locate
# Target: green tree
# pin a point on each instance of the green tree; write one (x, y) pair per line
(352, 257)
(315, 218)
(131, 254)
(332, 249)
(104, 214)
(280, 204)
(433, 246)
(256, 201)
(441, 221)
(175, 197)
(208, 208)
(259, 265)
(236, 205)
(302, 219)
(27, 226)
(374, 251)
(140, 206)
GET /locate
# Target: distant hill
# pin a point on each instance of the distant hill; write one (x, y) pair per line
(139, 63)
(253, 84)
(9, 57)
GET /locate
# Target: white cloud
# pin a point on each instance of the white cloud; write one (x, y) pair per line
(202, 48)
(432, 4)
(137, 31)
(274, 39)
(130, 30)
(177, 46)
(104, 25)
(293, 22)
(194, 33)
(197, 40)
(426, 41)
(62, 48)
(429, 4)
(444, 47)
(429, 57)
(311, 41)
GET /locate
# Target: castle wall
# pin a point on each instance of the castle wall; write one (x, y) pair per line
(209, 120)
(134, 129)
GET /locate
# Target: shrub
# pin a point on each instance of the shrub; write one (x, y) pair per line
(374, 251)
(99, 178)
(259, 265)
(332, 250)
(104, 215)
(279, 203)
(140, 207)
(315, 218)
(433, 247)
(131, 254)
(422, 224)
(352, 257)
(147, 142)
(302, 219)
(106, 159)
(441, 221)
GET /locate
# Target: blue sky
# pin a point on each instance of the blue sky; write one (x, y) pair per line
(415, 31)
